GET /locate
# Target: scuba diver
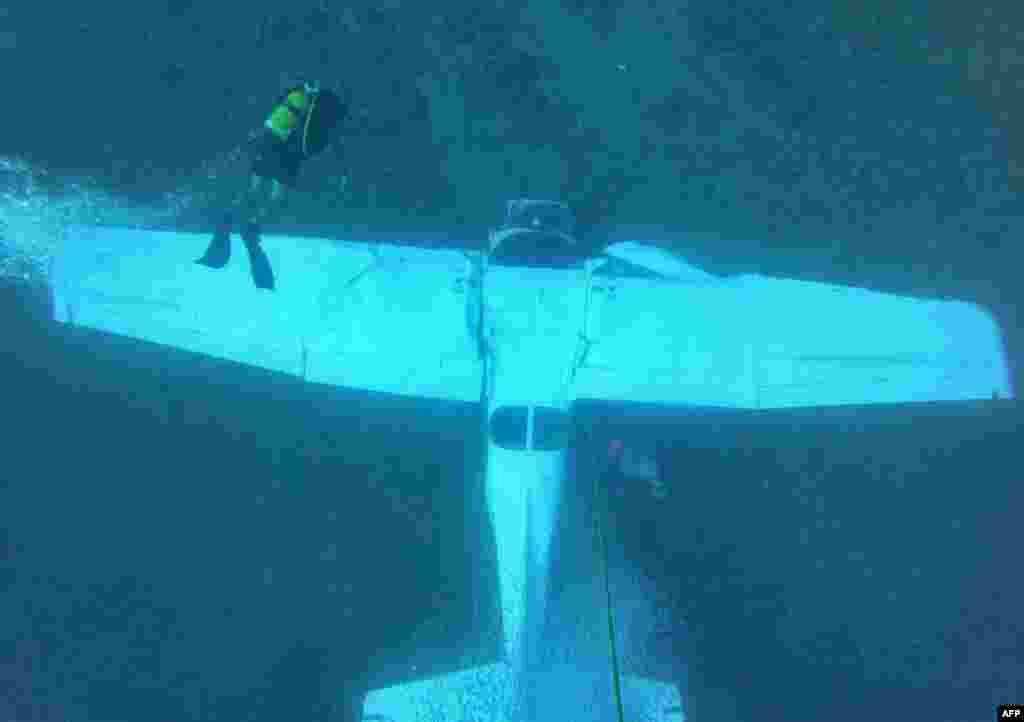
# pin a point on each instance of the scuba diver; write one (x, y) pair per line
(301, 124)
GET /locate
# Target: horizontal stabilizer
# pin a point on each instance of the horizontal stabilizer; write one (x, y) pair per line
(471, 695)
(647, 700)
(480, 694)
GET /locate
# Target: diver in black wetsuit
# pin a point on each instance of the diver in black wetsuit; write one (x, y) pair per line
(301, 124)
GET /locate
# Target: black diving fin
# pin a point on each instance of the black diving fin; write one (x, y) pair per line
(259, 264)
(218, 253)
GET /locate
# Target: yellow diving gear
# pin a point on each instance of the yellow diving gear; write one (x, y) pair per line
(286, 115)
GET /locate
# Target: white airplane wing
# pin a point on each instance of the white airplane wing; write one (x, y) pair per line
(382, 318)
(394, 319)
(683, 336)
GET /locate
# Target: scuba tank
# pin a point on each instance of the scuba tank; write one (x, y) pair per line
(307, 115)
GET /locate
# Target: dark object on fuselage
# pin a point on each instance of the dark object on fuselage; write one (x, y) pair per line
(538, 234)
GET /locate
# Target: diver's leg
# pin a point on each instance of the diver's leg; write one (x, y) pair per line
(273, 202)
(266, 198)
(277, 194)
(259, 264)
(218, 253)
(257, 212)
(264, 204)
(255, 199)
